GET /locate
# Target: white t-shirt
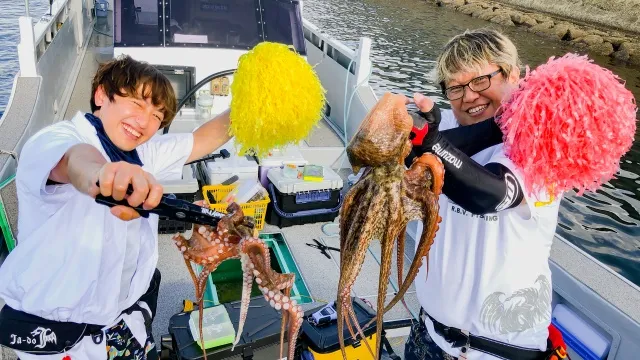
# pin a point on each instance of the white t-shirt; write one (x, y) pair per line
(490, 274)
(75, 261)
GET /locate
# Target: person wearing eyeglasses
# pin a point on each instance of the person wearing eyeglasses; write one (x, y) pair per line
(487, 292)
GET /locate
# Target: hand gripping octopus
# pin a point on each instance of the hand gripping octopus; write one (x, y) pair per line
(380, 205)
(233, 239)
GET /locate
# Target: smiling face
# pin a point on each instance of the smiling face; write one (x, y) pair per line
(474, 106)
(133, 100)
(128, 121)
(472, 54)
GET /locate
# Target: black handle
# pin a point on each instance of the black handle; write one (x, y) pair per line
(111, 202)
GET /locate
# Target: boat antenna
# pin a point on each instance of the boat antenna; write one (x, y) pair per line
(50, 5)
(26, 7)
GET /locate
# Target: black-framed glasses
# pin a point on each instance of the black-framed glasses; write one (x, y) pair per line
(477, 84)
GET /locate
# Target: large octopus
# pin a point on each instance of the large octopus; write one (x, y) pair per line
(381, 204)
(234, 239)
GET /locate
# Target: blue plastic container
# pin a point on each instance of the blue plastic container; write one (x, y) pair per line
(102, 7)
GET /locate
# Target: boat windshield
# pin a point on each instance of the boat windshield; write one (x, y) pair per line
(232, 24)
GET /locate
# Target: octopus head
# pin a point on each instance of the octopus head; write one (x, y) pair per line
(383, 136)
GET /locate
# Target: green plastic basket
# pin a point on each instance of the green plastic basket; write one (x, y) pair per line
(5, 228)
(225, 284)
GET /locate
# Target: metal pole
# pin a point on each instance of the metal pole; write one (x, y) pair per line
(26, 6)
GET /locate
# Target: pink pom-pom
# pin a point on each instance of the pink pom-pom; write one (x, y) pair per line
(568, 125)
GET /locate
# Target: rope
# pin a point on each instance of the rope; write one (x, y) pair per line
(13, 154)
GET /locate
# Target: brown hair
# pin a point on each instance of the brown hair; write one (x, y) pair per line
(124, 75)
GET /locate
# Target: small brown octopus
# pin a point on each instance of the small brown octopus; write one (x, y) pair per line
(234, 239)
(380, 205)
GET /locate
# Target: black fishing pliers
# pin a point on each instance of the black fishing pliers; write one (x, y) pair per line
(323, 248)
(171, 208)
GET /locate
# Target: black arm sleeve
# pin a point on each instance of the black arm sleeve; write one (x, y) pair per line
(477, 189)
(472, 139)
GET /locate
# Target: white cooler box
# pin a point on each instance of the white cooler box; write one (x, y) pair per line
(277, 159)
(217, 171)
(245, 167)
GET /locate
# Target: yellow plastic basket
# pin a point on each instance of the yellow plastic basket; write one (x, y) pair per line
(256, 209)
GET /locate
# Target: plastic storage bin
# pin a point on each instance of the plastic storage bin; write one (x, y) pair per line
(184, 189)
(255, 209)
(277, 159)
(579, 335)
(245, 167)
(217, 329)
(298, 202)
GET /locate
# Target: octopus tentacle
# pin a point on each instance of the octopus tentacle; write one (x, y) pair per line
(247, 280)
(269, 283)
(287, 293)
(427, 237)
(353, 250)
(436, 170)
(395, 215)
(400, 257)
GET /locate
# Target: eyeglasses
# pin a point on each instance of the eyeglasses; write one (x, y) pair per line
(478, 84)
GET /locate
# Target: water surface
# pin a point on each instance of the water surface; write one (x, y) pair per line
(11, 10)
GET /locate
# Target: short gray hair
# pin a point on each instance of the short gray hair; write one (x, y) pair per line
(474, 49)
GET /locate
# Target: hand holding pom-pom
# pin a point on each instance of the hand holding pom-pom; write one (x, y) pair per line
(568, 125)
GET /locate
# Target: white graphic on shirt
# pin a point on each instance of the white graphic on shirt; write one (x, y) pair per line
(522, 310)
(41, 337)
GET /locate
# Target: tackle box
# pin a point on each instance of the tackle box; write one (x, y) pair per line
(278, 158)
(260, 336)
(184, 189)
(321, 342)
(298, 202)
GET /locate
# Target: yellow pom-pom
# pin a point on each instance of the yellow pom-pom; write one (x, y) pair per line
(277, 99)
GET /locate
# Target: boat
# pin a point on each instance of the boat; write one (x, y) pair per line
(596, 308)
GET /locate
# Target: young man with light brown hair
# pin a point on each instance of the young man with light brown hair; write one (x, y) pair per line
(82, 282)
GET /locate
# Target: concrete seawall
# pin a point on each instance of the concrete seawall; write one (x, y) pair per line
(605, 27)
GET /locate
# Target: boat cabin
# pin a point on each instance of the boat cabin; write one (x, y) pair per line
(191, 39)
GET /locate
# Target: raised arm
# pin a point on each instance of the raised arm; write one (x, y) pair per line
(476, 188)
(210, 136)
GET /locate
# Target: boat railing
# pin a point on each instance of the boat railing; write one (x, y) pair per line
(36, 38)
(345, 72)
